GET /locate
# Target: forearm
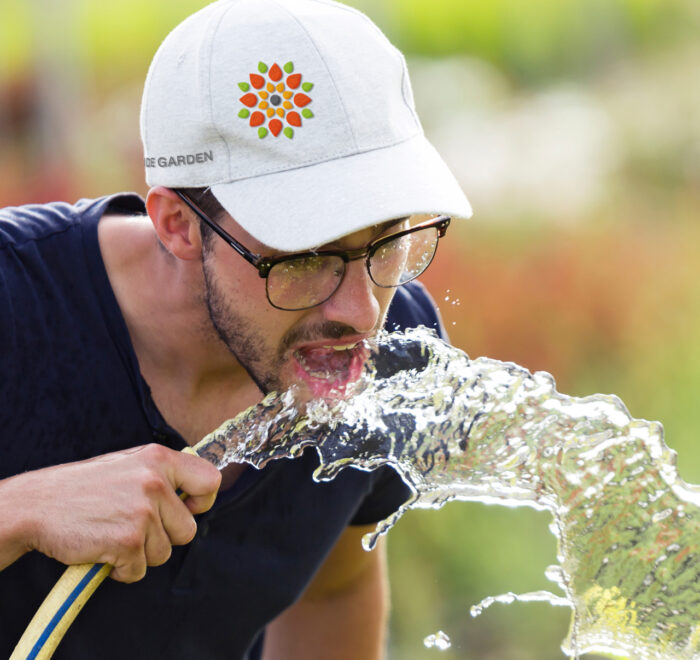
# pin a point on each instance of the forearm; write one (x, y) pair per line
(14, 522)
(343, 622)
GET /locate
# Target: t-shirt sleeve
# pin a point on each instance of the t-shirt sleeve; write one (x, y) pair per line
(388, 493)
(412, 306)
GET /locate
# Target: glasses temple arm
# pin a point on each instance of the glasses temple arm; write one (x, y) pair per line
(249, 256)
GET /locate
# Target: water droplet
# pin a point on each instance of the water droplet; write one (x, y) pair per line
(660, 515)
(554, 574)
(439, 640)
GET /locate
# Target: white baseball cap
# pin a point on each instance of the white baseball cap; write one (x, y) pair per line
(300, 117)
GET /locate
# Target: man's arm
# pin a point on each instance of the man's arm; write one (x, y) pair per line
(120, 508)
(343, 613)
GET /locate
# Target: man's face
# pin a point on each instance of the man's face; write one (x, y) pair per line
(318, 348)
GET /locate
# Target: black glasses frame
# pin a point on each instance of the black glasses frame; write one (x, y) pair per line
(265, 264)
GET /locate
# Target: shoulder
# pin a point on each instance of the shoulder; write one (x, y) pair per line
(34, 222)
(19, 224)
(413, 306)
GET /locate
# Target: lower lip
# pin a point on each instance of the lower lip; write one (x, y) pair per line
(333, 384)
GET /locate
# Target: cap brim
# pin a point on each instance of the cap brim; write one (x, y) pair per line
(309, 206)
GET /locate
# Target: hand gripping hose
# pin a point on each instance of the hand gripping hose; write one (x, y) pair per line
(63, 603)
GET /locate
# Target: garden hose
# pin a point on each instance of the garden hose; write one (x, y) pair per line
(63, 603)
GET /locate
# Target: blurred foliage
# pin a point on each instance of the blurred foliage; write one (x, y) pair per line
(115, 41)
(531, 40)
(554, 97)
(537, 39)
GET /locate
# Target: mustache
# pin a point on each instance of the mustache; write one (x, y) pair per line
(325, 330)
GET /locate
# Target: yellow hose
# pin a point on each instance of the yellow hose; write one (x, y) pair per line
(68, 596)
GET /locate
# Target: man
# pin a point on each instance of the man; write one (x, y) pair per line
(282, 148)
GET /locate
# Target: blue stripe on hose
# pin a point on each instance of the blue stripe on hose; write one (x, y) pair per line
(62, 610)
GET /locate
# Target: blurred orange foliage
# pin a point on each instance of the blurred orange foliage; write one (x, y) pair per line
(569, 297)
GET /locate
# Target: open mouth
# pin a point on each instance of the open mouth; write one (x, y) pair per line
(328, 370)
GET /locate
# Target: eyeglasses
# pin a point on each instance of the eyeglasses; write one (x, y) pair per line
(302, 280)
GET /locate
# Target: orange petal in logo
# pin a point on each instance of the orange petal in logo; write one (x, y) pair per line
(257, 118)
(275, 73)
(275, 126)
(294, 80)
(257, 81)
(251, 100)
(301, 100)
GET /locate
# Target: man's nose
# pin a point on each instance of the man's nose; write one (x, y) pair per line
(354, 303)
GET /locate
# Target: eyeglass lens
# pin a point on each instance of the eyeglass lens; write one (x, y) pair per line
(301, 283)
(304, 282)
(403, 259)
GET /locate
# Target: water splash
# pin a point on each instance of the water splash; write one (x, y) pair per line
(627, 526)
(439, 640)
(510, 597)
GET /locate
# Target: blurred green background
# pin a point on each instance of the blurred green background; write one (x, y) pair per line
(574, 128)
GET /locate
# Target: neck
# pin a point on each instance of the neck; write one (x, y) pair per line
(162, 301)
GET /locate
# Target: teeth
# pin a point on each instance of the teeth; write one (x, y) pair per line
(324, 375)
(329, 376)
(343, 347)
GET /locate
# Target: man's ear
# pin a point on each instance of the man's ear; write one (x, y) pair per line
(176, 225)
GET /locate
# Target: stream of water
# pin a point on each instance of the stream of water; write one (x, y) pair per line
(627, 526)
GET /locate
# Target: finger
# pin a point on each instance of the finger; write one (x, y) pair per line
(158, 547)
(129, 567)
(177, 521)
(195, 476)
(200, 503)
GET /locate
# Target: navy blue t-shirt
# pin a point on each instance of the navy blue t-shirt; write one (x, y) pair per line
(70, 389)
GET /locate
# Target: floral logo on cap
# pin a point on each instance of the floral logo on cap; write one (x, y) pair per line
(273, 100)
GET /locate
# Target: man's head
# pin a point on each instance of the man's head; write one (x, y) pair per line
(297, 117)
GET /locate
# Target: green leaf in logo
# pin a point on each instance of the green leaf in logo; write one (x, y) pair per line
(307, 113)
(244, 113)
(289, 67)
(289, 132)
(307, 87)
(262, 132)
(244, 86)
(262, 67)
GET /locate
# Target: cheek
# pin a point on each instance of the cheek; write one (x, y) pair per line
(245, 293)
(251, 287)
(243, 285)
(251, 302)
